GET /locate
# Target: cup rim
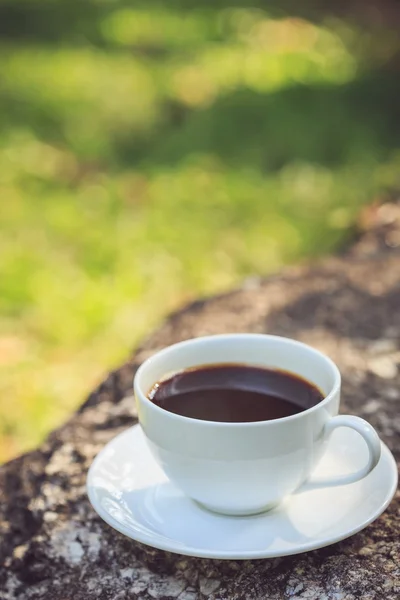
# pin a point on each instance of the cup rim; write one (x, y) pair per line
(223, 424)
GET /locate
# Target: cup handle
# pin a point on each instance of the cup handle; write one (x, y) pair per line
(370, 437)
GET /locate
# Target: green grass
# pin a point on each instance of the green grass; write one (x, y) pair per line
(150, 155)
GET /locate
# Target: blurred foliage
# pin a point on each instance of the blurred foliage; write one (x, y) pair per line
(155, 152)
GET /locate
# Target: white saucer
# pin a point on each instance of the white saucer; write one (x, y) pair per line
(130, 492)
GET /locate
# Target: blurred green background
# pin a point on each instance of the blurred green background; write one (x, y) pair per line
(150, 153)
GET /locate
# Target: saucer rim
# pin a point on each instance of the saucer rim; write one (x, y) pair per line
(175, 547)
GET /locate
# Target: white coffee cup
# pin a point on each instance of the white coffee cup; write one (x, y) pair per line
(246, 468)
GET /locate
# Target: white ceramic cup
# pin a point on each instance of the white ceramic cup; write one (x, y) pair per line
(246, 468)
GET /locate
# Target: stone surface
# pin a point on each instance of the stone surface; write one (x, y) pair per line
(54, 546)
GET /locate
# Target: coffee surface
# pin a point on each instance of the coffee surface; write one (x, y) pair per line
(234, 393)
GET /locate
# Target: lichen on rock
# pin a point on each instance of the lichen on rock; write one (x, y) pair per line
(53, 545)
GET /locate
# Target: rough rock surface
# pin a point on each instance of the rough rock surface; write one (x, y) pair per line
(54, 546)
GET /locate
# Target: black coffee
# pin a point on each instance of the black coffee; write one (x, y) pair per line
(234, 393)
